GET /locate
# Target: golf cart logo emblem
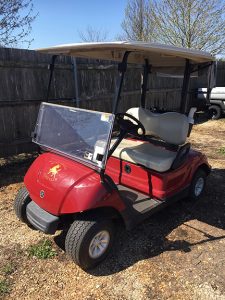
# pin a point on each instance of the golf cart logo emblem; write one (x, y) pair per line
(42, 194)
(54, 171)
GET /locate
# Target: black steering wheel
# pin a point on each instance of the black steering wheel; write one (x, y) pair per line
(128, 126)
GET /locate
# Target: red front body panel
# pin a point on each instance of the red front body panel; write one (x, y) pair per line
(60, 185)
(68, 186)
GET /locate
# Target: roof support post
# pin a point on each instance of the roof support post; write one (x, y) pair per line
(51, 67)
(211, 80)
(146, 71)
(185, 87)
(74, 66)
(122, 67)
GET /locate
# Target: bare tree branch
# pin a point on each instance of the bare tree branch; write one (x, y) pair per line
(93, 35)
(137, 23)
(16, 17)
(198, 24)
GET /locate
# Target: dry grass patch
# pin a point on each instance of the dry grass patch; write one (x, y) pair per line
(178, 253)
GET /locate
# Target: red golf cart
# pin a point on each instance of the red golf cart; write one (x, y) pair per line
(99, 167)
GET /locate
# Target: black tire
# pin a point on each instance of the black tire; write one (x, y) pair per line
(20, 203)
(79, 237)
(215, 112)
(199, 178)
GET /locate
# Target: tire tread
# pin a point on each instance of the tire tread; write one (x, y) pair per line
(78, 229)
(218, 110)
(21, 200)
(198, 173)
(79, 235)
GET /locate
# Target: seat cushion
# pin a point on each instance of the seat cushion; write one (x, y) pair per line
(145, 153)
(172, 127)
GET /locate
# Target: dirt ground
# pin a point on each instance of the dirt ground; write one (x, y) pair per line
(179, 253)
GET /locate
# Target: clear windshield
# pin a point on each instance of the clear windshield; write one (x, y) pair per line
(80, 134)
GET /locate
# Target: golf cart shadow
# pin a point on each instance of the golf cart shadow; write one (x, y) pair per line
(202, 117)
(150, 238)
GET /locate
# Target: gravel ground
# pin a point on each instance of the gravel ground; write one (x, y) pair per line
(179, 253)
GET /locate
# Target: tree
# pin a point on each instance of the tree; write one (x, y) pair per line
(16, 17)
(198, 24)
(93, 35)
(137, 25)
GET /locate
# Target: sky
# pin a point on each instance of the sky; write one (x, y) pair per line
(59, 21)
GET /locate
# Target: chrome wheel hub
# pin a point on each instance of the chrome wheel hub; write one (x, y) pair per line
(99, 244)
(199, 186)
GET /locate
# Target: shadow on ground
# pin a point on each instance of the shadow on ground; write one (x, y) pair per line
(13, 169)
(202, 117)
(149, 239)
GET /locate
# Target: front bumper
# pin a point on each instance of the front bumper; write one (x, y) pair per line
(41, 219)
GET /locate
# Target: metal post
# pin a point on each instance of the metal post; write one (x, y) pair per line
(51, 68)
(122, 67)
(147, 70)
(211, 82)
(75, 77)
(185, 86)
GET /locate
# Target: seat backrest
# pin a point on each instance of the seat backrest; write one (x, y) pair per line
(172, 127)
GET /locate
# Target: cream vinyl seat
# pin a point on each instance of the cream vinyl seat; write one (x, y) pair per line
(171, 127)
(146, 154)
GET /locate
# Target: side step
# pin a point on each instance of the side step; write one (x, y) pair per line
(140, 202)
(138, 205)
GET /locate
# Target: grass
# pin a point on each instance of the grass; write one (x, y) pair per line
(42, 250)
(4, 287)
(8, 269)
(222, 150)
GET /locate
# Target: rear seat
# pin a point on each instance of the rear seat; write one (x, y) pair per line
(171, 127)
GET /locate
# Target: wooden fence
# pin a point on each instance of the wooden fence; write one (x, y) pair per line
(88, 84)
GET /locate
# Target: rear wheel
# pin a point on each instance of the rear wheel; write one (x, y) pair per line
(215, 112)
(89, 241)
(20, 204)
(198, 185)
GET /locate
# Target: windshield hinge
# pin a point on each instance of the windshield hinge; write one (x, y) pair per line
(102, 176)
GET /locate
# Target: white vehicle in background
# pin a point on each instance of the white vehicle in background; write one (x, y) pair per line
(217, 101)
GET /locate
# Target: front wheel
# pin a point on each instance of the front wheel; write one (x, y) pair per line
(198, 185)
(20, 204)
(89, 241)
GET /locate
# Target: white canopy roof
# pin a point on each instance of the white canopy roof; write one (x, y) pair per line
(158, 55)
